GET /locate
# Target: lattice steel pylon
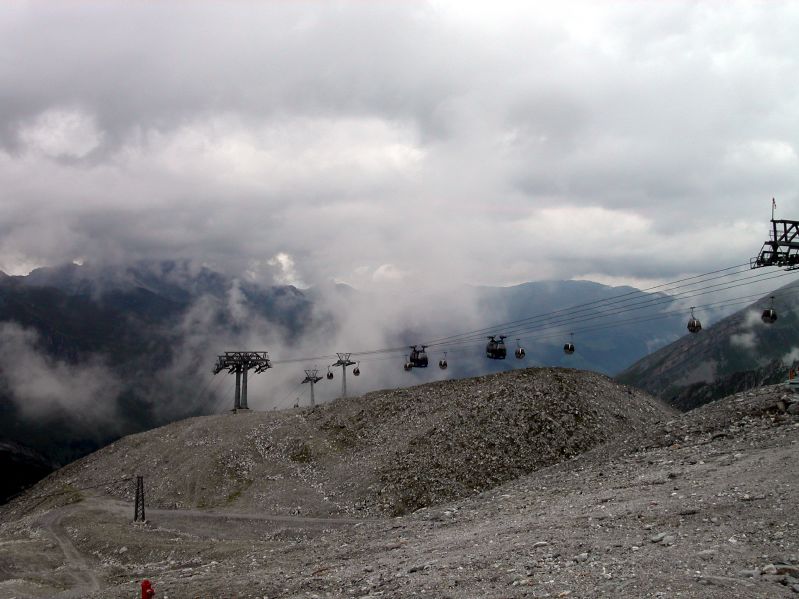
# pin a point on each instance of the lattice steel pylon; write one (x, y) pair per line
(239, 363)
(311, 376)
(138, 510)
(782, 248)
(343, 361)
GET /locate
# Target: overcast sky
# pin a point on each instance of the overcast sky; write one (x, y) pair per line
(371, 142)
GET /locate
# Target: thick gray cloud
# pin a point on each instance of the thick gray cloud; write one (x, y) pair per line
(44, 388)
(377, 142)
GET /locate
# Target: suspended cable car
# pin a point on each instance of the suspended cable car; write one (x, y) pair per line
(407, 366)
(357, 370)
(418, 357)
(694, 326)
(442, 363)
(329, 374)
(496, 350)
(520, 353)
(568, 348)
(769, 314)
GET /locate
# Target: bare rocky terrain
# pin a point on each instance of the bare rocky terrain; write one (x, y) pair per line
(387, 452)
(537, 483)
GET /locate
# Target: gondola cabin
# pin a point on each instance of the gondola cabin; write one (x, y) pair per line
(568, 348)
(495, 349)
(694, 326)
(418, 357)
(769, 315)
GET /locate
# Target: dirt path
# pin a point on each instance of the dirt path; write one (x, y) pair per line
(85, 579)
(122, 508)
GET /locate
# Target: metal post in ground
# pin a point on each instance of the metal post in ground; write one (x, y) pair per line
(243, 400)
(138, 513)
(237, 397)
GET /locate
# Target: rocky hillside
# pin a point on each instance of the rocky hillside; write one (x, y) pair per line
(737, 353)
(385, 452)
(700, 505)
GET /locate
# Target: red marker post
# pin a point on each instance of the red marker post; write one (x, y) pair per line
(147, 591)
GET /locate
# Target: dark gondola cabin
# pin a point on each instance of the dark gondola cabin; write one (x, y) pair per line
(418, 357)
(357, 370)
(568, 348)
(442, 363)
(495, 349)
(769, 315)
(519, 352)
(694, 326)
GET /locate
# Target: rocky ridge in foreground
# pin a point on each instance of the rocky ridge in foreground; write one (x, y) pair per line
(385, 452)
(701, 505)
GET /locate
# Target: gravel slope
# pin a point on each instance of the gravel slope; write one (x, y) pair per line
(699, 505)
(385, 452)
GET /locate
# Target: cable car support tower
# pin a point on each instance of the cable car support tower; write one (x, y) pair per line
(312, 376)
(239, 363)
(343, 361)
(782, 248)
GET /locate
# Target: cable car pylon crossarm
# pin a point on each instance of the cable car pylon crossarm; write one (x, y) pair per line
(782, 248)
(239, 363)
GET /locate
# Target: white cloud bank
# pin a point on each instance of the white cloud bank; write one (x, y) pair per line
(466, 142)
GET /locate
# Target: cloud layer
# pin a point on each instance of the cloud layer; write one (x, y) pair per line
(380, 142)
(47, 389)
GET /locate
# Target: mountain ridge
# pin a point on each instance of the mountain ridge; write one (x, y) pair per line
(732, 355)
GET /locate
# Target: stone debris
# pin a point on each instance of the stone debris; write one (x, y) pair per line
(696, 505)
(388, 452)
(539, 544)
